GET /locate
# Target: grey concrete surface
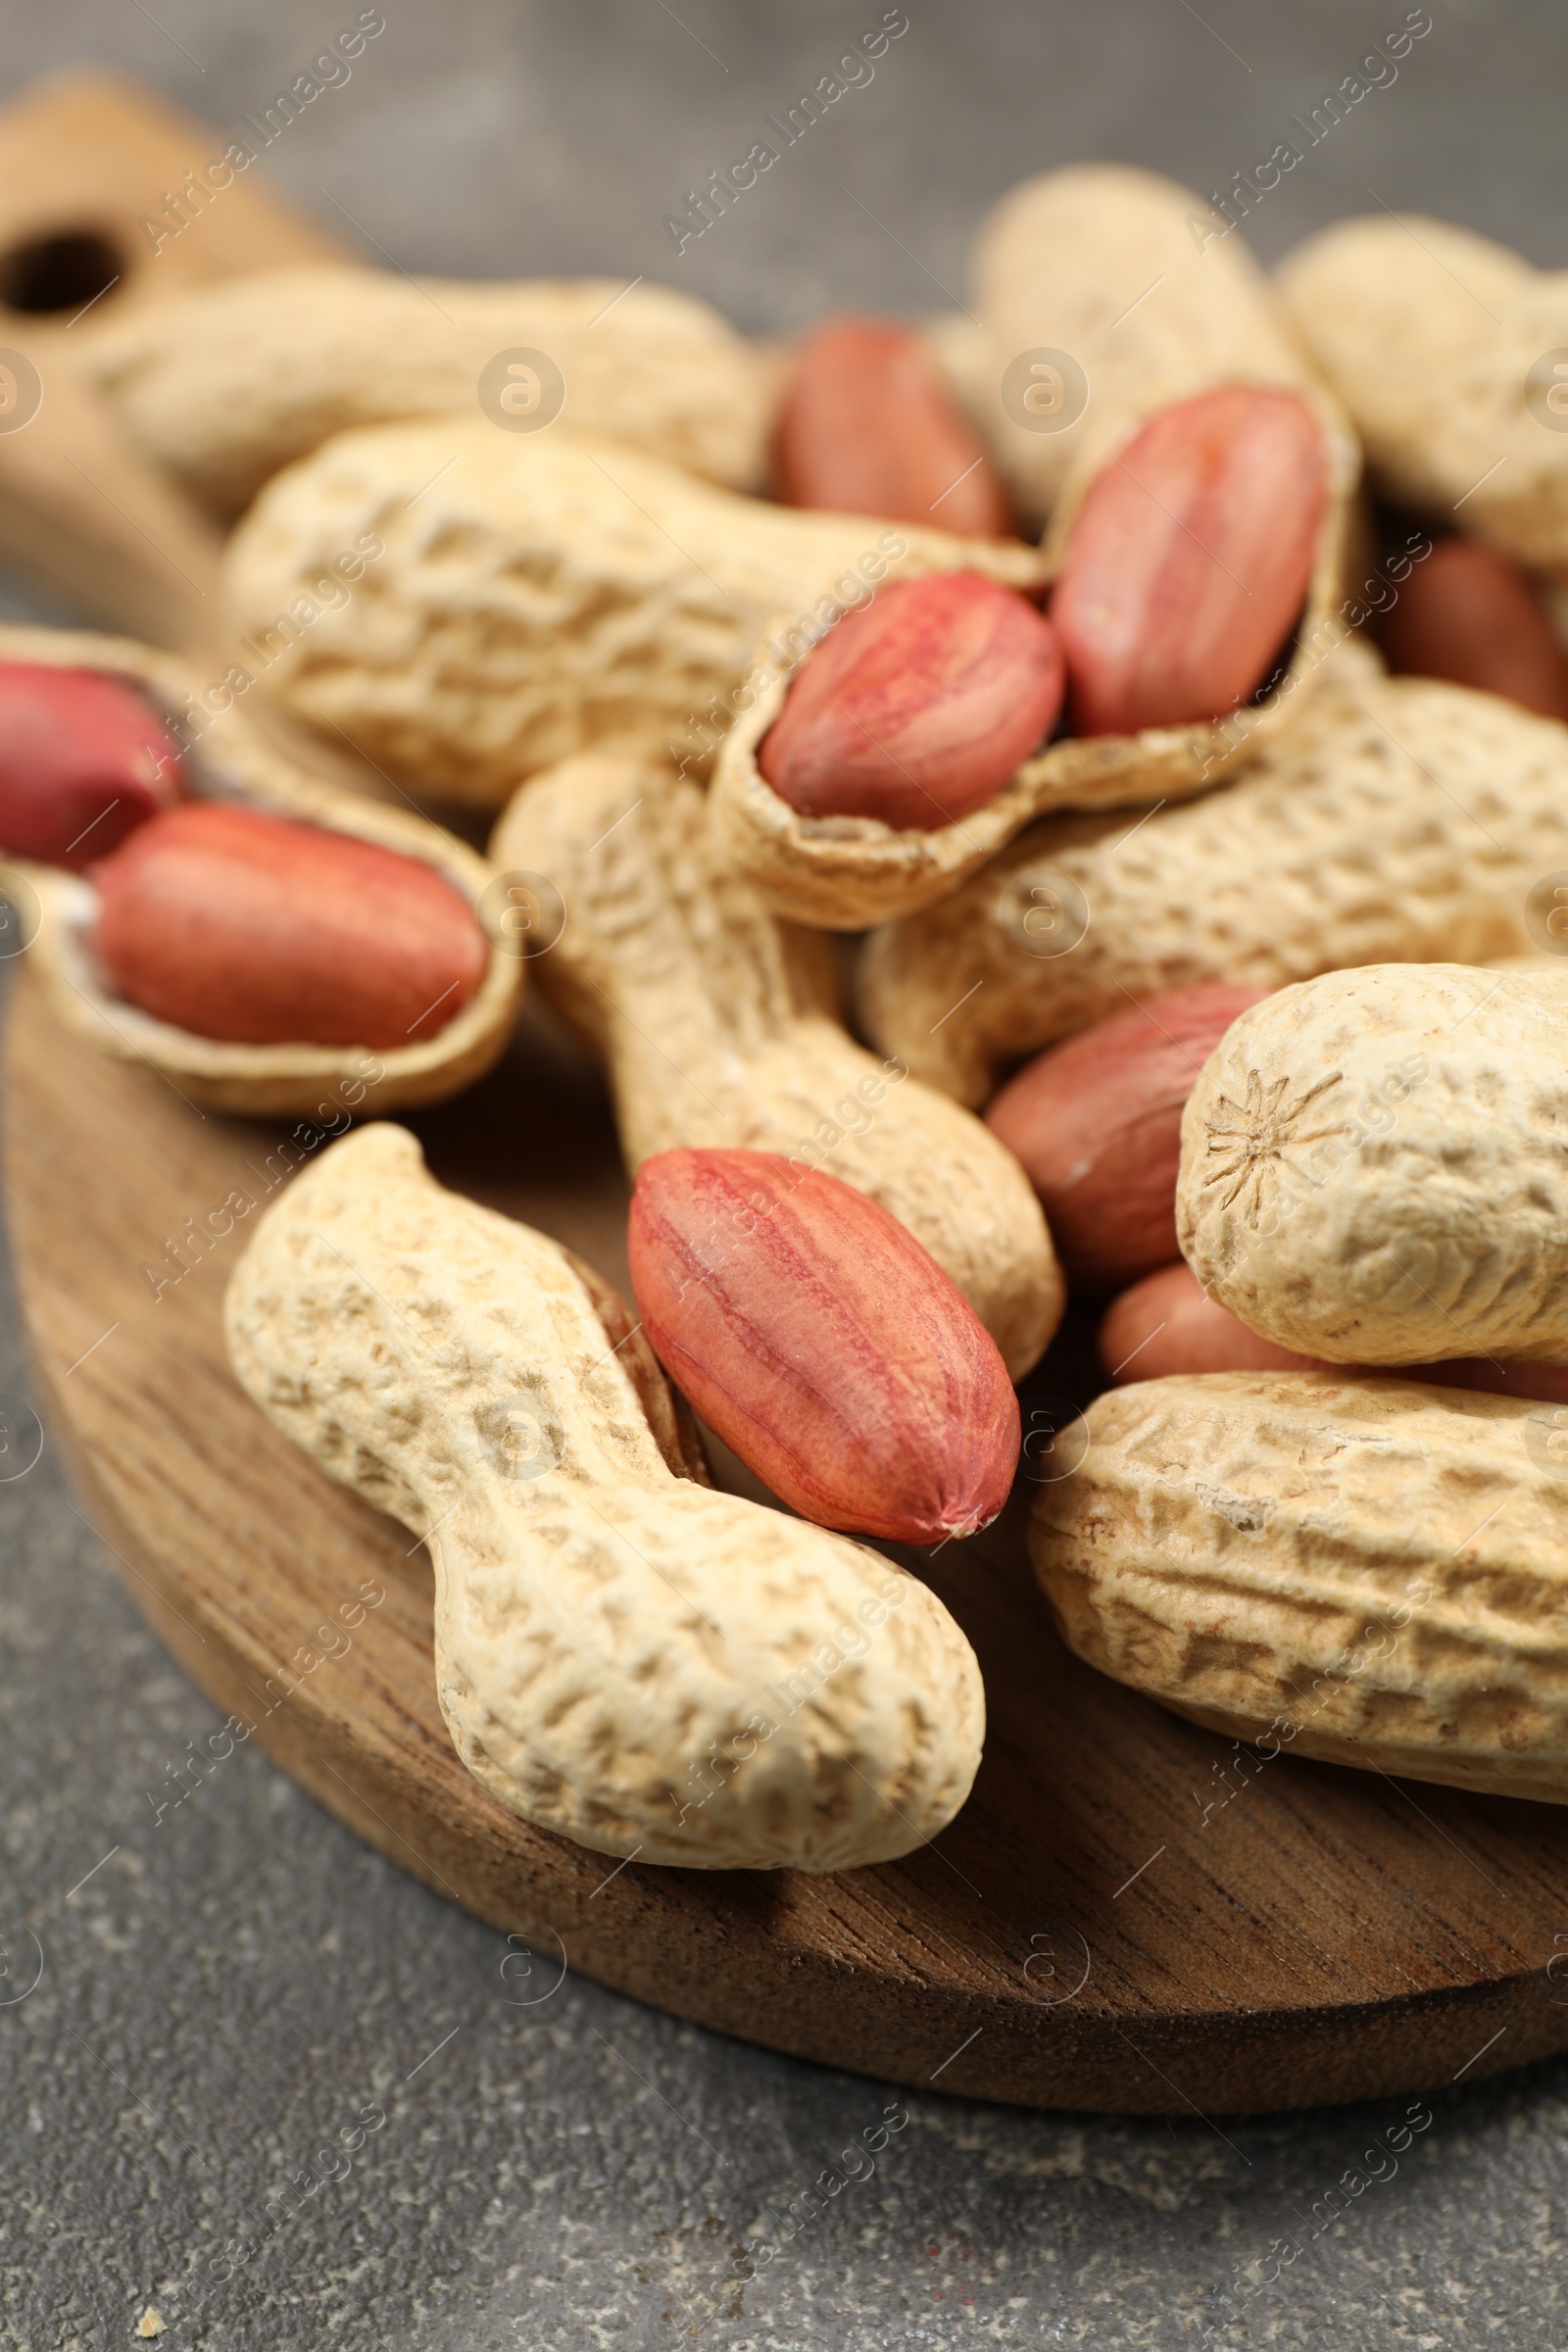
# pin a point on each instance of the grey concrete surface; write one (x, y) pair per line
(232, 1986)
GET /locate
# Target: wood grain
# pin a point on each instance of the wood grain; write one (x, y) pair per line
(1324, 1936)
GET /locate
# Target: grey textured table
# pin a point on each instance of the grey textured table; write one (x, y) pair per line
(224, 1988)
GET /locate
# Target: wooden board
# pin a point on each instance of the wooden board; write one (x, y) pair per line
(1080, 1937)
(85, 161)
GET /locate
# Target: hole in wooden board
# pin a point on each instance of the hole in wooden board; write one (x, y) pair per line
(60, 271)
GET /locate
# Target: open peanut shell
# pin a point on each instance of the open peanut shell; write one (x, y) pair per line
(227, 762)
(846, 872)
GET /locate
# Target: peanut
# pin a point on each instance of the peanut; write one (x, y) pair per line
(1167, 1323)
(919, 708)
(227, 385)
(1096, 1123)
(540, 595)
(825, 1347)
(84, 759)
(599, 1622)
(1100, 266)
(1372, 1170)
(1469, 615)
(715, 1034)
(235, 924)
(1189, 558)
(865, 426)
(1369, 1571)
(1398, 820)
(240, 784)
(1440, 344)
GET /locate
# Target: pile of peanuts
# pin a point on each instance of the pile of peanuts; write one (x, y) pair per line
(1192, 810)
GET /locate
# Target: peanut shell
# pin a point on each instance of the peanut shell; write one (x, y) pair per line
(1440, 344)
(226, 385)
(1368, 1571)
(1375, 1166)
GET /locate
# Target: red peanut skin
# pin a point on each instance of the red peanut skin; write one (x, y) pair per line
(254, 930)
(1468, 614)
(1097, 1122)
(1166, 1324)
(84, 759)
(827, 1347)
(1190, 560)
(867, 427)
(919, 706)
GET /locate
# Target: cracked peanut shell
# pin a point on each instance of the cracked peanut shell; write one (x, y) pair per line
(229, 761)
(846, 872)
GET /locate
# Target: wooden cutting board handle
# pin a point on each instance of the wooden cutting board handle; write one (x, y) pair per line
(85, 161)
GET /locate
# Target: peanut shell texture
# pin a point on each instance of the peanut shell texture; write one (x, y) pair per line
(1375, 1166)
(1372, 1572)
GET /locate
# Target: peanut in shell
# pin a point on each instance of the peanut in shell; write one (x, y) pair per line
(846, 872)
(1443, 346)
(230, 761)
(1369, 1571)
(226, 385)
(1375, 1166)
